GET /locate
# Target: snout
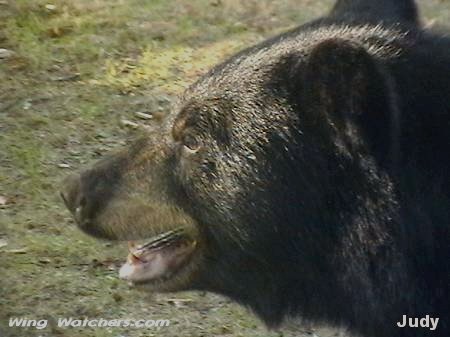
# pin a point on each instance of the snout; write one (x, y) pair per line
(125, 195)
(87, 193)
(73, 196)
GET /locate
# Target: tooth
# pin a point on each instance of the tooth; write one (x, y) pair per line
(163, 239)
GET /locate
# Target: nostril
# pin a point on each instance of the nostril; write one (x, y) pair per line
(78, 214)
(84, 194)
(71, 193)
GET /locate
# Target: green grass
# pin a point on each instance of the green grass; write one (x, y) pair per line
(78, 70)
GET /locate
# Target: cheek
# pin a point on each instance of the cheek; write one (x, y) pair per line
(208, 170)
(186, 166)
(197, 167)
(190, 170)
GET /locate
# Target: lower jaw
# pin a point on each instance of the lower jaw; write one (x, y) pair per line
(180, 280)
(166, 283)
(160, 280)
(160, 263)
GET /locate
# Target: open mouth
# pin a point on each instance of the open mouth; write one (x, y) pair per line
(159, 258)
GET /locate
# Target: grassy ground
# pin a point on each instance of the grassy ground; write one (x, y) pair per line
(73, 77)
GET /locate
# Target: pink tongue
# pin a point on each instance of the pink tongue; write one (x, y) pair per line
(154, 266)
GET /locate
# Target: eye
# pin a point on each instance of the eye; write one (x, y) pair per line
(190, 145)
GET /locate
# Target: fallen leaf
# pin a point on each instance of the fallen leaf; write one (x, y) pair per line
(143, 115)
(6, 53)
(179, 302)
(117, 297)
(50, 7)
(69, 77)
(56, 32)
(18, 251)
(130, 124)
(3, 243)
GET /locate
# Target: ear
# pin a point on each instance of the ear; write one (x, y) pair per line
(345, 84)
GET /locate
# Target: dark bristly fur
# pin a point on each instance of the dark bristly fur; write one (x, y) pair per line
(313, 170)
(387, 11)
